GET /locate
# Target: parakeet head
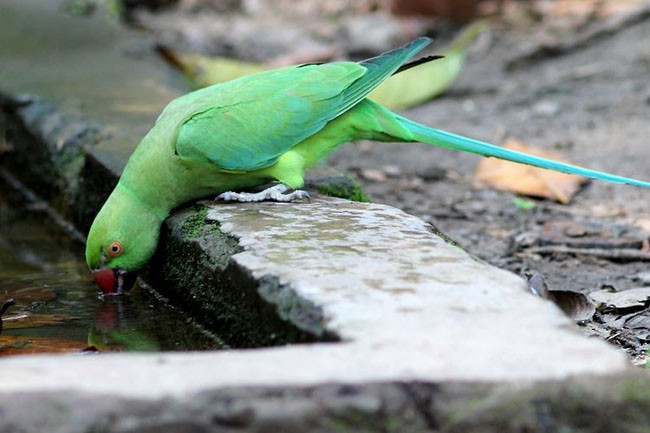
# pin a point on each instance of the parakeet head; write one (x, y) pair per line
(121, 240)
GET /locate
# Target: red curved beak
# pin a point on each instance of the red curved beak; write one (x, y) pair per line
(114, 281)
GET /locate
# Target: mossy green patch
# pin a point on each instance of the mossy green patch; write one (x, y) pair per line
(194, 270)
(195, 222)
(342, 187)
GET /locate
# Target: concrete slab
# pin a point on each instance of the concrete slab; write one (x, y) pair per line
(390, 287)
(433, 340)
(407, 305)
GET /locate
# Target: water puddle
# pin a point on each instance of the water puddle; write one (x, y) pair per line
(58, 308)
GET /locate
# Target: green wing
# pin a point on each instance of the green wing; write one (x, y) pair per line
(248, 123)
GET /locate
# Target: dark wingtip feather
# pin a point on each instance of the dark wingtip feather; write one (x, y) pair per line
(302, 65)
(417, 62)
(379, 68)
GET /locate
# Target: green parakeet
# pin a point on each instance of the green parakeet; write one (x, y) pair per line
(269, 126)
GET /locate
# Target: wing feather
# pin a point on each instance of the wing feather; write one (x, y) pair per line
(248, 123)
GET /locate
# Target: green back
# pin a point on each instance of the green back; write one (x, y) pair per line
(248, 123)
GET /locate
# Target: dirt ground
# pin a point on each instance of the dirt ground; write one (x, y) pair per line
(578, 87)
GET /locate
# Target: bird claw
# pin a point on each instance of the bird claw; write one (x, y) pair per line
(277, 193)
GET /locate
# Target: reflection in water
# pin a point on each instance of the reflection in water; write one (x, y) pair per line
(3, 309)
(58, 307)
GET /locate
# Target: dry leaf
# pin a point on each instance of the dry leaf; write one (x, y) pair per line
(639, 321)
(625, 299)
(205, 70)
(528, 180)
(19, 345)
(27, 319)
(417, 85)
(27, 295)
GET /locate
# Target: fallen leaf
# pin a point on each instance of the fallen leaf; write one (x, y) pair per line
(205, 70)
(27, 295)
(528, 180)
(614, 322)
(417, 85)
(632, 298)
(639, 321)
(20, 345)
(26, 319)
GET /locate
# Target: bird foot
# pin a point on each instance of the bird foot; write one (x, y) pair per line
(276, 193)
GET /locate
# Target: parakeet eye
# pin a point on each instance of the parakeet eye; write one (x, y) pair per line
(115, 249)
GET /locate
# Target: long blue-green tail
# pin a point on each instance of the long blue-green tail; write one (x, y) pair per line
(436, 137)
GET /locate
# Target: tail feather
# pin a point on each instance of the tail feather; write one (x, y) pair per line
(446, 139)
